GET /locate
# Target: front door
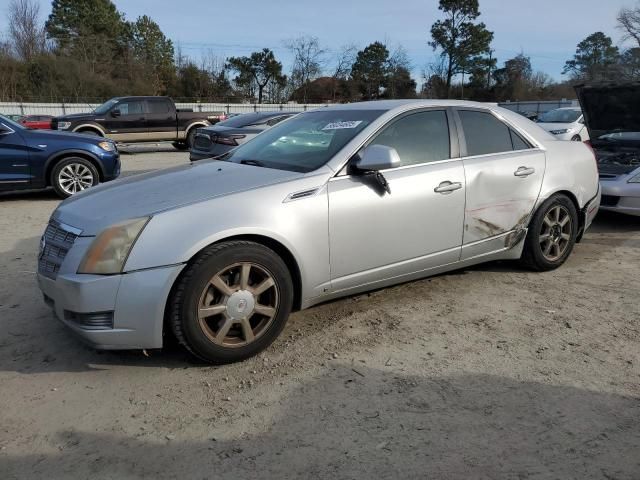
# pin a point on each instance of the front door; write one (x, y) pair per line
(504, 177)
(376, 235)
(14, 159)
(131, 123)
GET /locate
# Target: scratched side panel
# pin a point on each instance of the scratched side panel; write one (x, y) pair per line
(498, 201)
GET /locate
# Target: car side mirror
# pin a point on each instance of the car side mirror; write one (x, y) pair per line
(5, 130)
(378, 157)
(115, 113)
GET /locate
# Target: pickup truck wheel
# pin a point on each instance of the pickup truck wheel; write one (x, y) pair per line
(191, 137)
(551, 235)
(93, 133)
(232, 302)
(72, 175)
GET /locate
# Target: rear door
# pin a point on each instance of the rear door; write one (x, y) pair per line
(161, 119)
(504, 175)
(14, 159)
(131, 124)
(376, 235)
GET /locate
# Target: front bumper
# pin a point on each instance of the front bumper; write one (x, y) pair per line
(620, 196)
(136, 301)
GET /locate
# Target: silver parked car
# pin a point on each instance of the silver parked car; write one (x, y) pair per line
(332, 202)
(613, 120)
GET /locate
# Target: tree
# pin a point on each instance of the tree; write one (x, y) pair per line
(399, 83)
(258, 71)
(629, 23)
(307, 62)
(460, 39)
(91, 30)
(594, 57)
(155, 51)
(344, 60)
(512, 80)
(25, 29)
(630, 64)
(369, 71)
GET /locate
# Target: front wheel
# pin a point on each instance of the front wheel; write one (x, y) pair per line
(72, 175)
(576, 138)
(552, 234)
(232, 302)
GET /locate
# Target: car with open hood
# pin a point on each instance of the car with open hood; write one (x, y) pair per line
(613, 119)
(566, 123)
(218, 252)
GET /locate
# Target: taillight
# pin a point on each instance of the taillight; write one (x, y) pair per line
(230, 140)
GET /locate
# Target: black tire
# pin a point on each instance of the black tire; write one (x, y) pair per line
(191, 135)
(191, 288)
(83, 165)
(533, 255)
(93, 133)
(180, 146)
(576, 138)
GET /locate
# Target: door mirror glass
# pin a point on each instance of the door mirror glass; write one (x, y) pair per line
(378, 157)
(115, 113)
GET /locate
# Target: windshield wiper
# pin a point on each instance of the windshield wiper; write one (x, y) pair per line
(255, 163)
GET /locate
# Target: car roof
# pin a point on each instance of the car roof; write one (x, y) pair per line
(389, 105)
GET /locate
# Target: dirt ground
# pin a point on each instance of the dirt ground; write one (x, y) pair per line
(491, 372)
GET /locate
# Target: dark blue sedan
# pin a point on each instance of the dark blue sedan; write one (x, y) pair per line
(68, 162)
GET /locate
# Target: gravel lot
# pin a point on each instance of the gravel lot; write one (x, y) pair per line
(491, 372)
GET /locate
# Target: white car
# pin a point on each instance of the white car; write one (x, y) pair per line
(565, 123)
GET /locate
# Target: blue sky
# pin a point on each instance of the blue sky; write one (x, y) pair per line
(546, 30)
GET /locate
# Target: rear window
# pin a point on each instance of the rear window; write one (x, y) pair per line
(485, 134)
(158, 105)
(244, 120)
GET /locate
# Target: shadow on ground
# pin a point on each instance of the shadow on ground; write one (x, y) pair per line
(376, 424)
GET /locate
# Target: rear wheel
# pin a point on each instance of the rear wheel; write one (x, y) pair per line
(232, 302)
(93, 133)
(552, 234)
(72, 175)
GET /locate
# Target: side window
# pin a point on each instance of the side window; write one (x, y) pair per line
(418, 138)
(485, 133)
(158, 106)
(130, 108)
(518, 142)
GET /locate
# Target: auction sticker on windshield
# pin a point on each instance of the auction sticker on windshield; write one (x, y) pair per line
(341, 125)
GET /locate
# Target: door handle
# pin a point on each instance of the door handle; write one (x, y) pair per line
(447, 187)
(524, 171)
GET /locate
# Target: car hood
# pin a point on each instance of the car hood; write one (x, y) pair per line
(46, 136)
(151, 193)
(555, 126)
(613, 121)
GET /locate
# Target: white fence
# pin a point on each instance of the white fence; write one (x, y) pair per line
(18, 108)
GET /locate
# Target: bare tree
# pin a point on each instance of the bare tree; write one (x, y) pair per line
(344, 60)
(308, 58)
(629, 23)
(25, 28)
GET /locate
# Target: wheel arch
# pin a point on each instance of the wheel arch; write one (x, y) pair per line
(191, 126)
(89, 126)
(59, 156)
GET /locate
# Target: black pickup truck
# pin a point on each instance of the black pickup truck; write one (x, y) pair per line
(139, 119)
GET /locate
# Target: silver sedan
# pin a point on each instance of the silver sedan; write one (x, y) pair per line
(330, 203)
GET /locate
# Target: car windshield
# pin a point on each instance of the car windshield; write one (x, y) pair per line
(245, 119)
(561, 115)
(11, 123)
(106, 106)
(304, 143)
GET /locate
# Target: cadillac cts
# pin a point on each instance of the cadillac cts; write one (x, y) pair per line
(332, 202)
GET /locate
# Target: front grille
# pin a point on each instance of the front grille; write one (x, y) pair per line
(54, 247)
(54, 124)
(609, 200)
(202, 142)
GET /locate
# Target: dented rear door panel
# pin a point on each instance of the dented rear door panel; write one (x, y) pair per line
(499, 202)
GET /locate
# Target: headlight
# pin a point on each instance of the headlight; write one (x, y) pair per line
(634, 179)
(107, 146)
(560, 132)
(110, 249)
(64, 125)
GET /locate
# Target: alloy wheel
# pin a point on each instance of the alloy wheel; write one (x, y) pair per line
(555, 236)
(238, 305)
(74, 178)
